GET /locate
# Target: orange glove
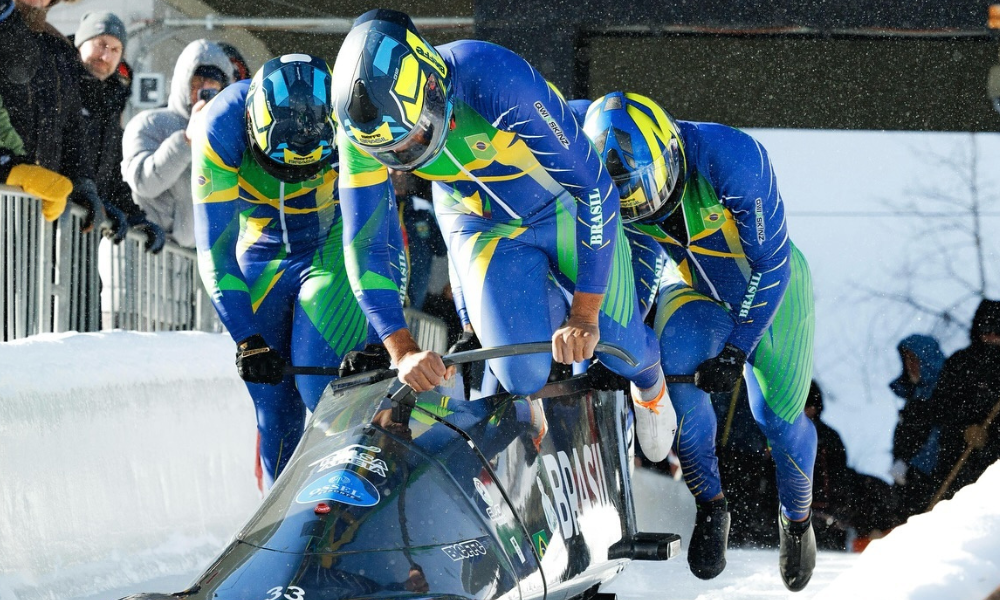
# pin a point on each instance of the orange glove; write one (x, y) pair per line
(51, 187)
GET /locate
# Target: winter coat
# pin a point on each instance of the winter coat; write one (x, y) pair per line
(39, 74)
(156, 157)
(102, 105)
(969, 388)
(915, 440)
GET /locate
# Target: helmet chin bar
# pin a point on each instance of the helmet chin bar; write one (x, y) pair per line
(287, 173)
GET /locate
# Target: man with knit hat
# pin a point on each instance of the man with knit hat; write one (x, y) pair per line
(105, 87)
(157, 151)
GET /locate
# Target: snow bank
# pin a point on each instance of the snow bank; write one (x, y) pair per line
(951, 552)
(123, 457)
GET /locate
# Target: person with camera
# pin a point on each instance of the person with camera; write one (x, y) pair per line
(156, 146)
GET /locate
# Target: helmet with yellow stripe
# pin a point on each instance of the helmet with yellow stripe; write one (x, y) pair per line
(289, 116)
(392, 91)
(641, 146)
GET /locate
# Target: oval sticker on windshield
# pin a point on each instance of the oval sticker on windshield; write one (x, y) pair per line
(346, 487)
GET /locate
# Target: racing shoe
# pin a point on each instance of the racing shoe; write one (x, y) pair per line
(797, 552)
(655, 424)
(539, 425)
(707, 550)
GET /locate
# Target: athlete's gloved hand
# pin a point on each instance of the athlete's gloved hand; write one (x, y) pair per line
(155, 238)
(115, 224)
(85, 194)
(722, 373)
(373, 358)
(51, 187)
(257, 362)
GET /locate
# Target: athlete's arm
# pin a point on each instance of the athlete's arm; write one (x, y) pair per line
(365, 200)
(215, 188)
(747, 186)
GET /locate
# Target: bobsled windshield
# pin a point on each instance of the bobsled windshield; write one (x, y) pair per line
(393, 490)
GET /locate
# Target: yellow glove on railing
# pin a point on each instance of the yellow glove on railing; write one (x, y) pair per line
(48, 185)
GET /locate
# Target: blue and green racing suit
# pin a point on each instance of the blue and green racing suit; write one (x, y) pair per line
(524, 204)
(271, 257)
(746, 284)
(741, 281)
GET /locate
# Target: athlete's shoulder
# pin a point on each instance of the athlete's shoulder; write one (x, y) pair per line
(719, 145)
(483, 65)
(225, 122)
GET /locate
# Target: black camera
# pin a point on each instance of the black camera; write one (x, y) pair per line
(207, 94)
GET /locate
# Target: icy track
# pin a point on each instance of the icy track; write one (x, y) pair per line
(126, 464)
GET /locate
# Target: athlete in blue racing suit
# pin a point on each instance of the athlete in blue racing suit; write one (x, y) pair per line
(528, 198)
(269, 236)
(708, 195)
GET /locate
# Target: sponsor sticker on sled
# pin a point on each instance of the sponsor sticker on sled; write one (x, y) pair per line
(463, 550)
(355, 454)
(346, 487)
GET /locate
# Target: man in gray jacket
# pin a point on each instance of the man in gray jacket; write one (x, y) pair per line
(157, 154)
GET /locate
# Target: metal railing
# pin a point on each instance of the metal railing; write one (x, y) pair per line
(54, 279)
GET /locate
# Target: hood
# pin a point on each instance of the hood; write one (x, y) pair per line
(987, 319)
(928, 352)
(195, 54)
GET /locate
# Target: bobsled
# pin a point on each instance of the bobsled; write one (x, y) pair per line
(392, 494)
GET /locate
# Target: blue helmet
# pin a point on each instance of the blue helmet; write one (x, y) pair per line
(290, 125)
(392, 91)
(641, 146)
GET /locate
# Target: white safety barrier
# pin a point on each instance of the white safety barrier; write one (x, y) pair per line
(49, 277)
(48, 271)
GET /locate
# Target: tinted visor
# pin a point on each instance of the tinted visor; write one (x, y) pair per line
(647, 190)
(424, 142)
(304, 125)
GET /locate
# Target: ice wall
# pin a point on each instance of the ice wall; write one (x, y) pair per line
(123, 457)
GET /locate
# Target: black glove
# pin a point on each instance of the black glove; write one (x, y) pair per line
(85, 195)
(257, 362)
(468, 341)
(722, 373)
(116, 223)
(373, 358)
(155, 238)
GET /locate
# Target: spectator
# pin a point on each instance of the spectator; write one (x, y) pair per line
(38, 81)
(51, 187)
(105, 87)
(833, 480)
(423, 237)
(969, 390)
(156, 146)
(915, 441)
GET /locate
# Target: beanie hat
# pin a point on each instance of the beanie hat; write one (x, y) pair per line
(98, 23)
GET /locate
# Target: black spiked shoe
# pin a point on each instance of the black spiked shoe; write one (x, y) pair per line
(797, 554)
(707, 550)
